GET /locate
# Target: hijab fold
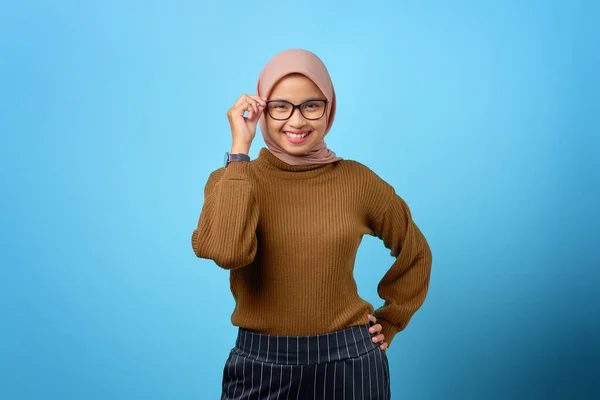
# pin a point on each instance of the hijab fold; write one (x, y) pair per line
(308, 64)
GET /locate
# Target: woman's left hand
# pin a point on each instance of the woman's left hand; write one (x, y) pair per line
(375, 329)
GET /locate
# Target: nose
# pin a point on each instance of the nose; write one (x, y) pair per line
(296, 119)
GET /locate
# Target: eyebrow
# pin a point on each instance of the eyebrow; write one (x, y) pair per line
(308, 99)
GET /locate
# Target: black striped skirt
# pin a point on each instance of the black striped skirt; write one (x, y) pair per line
(340, 365)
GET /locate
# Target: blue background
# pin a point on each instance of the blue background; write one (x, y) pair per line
(482, 114)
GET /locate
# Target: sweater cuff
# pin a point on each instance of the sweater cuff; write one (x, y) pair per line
(388, 331)
(236, 170)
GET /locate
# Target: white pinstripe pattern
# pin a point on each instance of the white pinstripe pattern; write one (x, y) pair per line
(357, 353)
(270, 378)
(355, 345)
(315, 382)
(300, 387)
(291, 380)
(344, 386)
(382, 365)
(379, 353)
(353, 380)
(318, 351)
(325, 381)
(236, 376)
(346, 343)
(362, 380)
(229, 375)
(262, 364)
(251, 380)
(243, 380)
(368, 362)
(280, 376)
(300, 383)
(334, 376)
(268, 343)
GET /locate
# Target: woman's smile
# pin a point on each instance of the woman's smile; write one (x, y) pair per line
(296, 136)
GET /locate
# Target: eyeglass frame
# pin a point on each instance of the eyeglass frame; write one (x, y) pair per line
(294, 106)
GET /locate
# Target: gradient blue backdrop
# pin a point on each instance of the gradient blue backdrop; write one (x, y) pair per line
(482, 114)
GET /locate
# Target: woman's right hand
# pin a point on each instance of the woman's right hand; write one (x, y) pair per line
(243, 129)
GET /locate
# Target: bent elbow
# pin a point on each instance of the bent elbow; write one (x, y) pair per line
(236, 256)
(222, 252)
(233, 261)
(427, 254)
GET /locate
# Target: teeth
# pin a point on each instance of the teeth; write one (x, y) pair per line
(296, 136)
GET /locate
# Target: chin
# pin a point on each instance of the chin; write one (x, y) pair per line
(297, 149)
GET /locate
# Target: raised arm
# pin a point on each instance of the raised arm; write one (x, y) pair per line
(226, 231)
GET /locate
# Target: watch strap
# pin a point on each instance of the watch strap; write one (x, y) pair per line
(235, 157)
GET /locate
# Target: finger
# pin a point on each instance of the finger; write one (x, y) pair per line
(371, 318)
(254, 117)
(259, 100)
(253, 114)
(240, 107)
(246, 104)
(261, 109)
(252, 101)
(260, 103)
(378, 338)
(375, 328)
(384, 346)
(241, 101)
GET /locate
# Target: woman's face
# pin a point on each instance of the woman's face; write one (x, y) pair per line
(296, 89)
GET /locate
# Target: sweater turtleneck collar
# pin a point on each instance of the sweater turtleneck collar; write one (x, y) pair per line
(270, 161)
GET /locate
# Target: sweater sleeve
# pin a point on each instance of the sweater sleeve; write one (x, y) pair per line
(404, 287)
(226, 231)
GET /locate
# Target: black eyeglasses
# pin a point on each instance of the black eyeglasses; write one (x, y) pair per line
(281, 110)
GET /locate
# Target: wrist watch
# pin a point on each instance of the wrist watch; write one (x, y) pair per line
(235, 157)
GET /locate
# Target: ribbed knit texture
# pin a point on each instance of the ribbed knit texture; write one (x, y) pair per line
(289, 236)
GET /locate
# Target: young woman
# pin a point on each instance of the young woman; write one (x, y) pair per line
(287, 226)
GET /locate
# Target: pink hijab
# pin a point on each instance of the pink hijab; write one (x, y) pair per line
(311, 66)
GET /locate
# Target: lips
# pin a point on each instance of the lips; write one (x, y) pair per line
(296, 137)
(297, 134)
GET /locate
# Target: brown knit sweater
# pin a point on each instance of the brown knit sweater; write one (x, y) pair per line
(289, 237)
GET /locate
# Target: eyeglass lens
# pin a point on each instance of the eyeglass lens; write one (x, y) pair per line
(313, 109)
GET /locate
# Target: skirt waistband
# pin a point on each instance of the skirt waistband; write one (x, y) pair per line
(303, 350)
